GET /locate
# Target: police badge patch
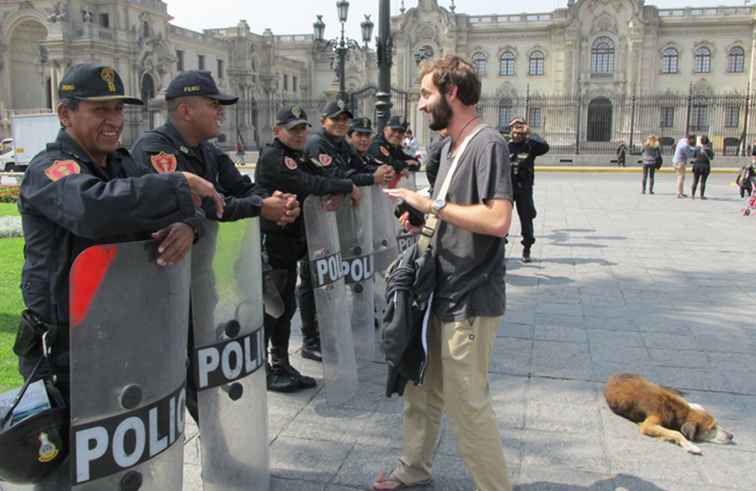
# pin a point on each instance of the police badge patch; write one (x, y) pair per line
(341, 104)
(325, 159)
(296, 111)
(62, 168)
(385, 151)
(164, 162)
(290, 163)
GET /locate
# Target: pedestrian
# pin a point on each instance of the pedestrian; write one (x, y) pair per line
(84, 190)
(746, 179)
(652, 158)
(524, 147)
(468, 300)
(434, 157)
(282, 165)
(195, 111)
(684, 151)
(410, 145)
(702, 165)
(621, 154)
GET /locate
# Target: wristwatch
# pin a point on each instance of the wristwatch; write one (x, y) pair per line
(436, 206)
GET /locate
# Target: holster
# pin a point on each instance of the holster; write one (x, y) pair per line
(31, 329)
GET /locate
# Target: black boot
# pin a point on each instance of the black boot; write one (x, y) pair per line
(279, 380)
(526, 254)
(311, 349)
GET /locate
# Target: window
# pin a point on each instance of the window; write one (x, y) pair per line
(105, 21)
(534, 117)
(667, 117)
(535, 63)
(294, 84)
(736, 60)
(602, 56)
(506, 64)
(732, 116)
(703, 60)
(669, 60)
(699, 115)
(506, 111)
(200, 62)
(179, 60)
(479, 64)
(286, 83)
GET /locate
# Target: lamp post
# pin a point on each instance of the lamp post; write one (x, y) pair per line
(384, 48)
(342, 44)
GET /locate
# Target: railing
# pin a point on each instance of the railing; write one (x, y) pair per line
(504, 19)
(294, 38)
(706, 12)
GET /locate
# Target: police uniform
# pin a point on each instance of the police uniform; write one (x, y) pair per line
(362, 163)
(389, 154)
(67, 204)
(165, 150)
(286, 169)
(522, 156)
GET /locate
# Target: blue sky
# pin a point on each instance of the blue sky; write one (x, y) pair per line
(297, 16)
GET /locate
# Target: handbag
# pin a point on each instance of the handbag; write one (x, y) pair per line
(658, 162)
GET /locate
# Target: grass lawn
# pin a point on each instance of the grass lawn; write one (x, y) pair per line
(8, 209)
(11, 261)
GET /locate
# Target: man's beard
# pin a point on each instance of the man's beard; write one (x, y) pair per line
(441, 115)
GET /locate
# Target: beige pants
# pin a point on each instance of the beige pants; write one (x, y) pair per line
(680, 173)
(456, 379)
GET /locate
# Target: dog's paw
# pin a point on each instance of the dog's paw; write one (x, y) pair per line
(693, 449)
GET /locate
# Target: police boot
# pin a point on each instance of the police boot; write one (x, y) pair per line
(279, 380)
(311, 349)
(280, 363)
(526, 254)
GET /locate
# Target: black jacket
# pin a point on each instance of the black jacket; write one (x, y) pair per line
(345, 163)
(384, 152)
(409, 285)
(522, 156)
(68, 204)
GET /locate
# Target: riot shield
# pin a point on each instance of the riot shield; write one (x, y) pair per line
(339, 363)
(128, 332)
(405, 240)
(229, 356)
(385, 229)
(356, 240)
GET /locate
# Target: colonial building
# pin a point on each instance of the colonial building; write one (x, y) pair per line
(586, 75)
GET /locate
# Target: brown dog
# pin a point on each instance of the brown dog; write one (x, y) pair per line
(662, 412)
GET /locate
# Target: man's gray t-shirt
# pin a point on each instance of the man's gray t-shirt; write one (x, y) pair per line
(471, 266)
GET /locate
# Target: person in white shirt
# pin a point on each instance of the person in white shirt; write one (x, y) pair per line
(684, 152)
(410, 146)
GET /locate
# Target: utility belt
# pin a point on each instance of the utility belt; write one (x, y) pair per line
(36, 336)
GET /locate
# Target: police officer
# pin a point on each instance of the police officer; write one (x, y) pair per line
(524, 147)
(387, 147)
(360, 137)
(85, 190)
(434, 157)
(282, 165)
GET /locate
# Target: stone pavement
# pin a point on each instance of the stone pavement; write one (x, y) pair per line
(622, 282)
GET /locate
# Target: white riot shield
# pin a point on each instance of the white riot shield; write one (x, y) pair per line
(339, 363)
(405, 240)
(385, 228)
(229, 356)
(356, 240)
(128, 332)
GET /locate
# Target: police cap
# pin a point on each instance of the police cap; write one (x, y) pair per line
(197, 83)
(361, 125)
(91, 82)
(396, 123)
(291, 116)
(335, 109)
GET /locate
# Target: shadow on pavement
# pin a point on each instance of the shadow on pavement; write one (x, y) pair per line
(619, 482)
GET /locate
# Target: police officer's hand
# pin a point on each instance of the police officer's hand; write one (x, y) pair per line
(383, 174)
(277, 207)
(332, 202)
(355, 196)
(293, 209)
(175, 241)
(201, 188)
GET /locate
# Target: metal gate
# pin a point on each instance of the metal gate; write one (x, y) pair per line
(363, 102)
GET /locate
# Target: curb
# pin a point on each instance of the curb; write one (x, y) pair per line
(628, 170)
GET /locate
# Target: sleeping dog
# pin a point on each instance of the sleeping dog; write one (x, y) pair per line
(663, 412)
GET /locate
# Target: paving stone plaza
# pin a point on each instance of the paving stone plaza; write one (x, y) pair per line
(623, 282)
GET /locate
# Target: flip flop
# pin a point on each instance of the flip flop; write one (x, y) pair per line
(394, 484)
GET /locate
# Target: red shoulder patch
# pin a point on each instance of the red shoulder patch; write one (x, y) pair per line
(385, 151)
(325, 159)
(62, 168)
(164, 162)
(290, 163)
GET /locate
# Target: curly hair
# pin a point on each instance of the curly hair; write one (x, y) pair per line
(454, 71)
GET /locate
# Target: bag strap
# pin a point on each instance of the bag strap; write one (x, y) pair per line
(21, 392)
(431, 221)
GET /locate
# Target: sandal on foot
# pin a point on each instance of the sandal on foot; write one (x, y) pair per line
(393, 484)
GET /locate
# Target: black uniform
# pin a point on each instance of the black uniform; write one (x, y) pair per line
(68, 204)
(522, 156)
(346, 163)
(386, 153)
(434, 160)
(285, 169)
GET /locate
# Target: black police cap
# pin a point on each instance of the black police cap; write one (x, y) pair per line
(335, 109)
(197, 83)
(361, 125)
(291, 117)
(396, 123)
(91, 82)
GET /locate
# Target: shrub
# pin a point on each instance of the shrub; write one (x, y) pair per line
(9, 194)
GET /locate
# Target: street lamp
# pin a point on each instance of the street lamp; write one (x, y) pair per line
(342, 44)
(384, 46)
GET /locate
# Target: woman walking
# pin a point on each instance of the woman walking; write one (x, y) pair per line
(651, 159)
(702, 165)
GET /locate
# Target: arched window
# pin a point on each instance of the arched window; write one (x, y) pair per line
(670, 60)
(506, 111)
(506, 64)
(703, 60)
(479, 62)
(602, 56)
(535, 63)
(736, 60)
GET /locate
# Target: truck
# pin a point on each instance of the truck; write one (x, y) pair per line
(31, 133)
(7, 160)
